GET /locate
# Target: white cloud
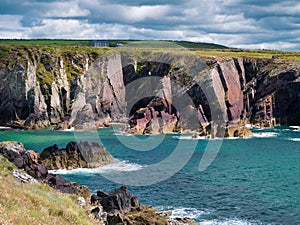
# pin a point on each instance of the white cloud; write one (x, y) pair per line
(11, 26)
(65, 9)
(235, 23)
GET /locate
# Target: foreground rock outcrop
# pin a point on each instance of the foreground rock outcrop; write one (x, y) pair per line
(16, 153)
(75, 155)
(187, 93)
(121, 207)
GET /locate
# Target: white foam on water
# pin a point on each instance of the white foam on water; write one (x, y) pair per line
(228, 222)
(71, 129)
(5, 128)
(122, 133)
(294, 127)
(118, 166)
(294, 139)
(187, 212)
(265, 134)
(249, 126)
(189, 137)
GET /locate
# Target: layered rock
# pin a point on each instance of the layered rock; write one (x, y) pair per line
(158, 117)
(88, 91)
(85, 154)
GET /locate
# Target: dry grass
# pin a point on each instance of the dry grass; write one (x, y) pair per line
(35, 203)
(266, 54)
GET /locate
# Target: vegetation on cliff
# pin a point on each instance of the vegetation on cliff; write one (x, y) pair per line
(81, 87)
(22, 203)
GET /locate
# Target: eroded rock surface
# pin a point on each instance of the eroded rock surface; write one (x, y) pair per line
(86, 91)
(85, 154)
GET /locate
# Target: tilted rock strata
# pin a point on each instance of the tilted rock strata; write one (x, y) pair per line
(88, 91)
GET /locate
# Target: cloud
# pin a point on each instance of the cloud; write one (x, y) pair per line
(271, 24)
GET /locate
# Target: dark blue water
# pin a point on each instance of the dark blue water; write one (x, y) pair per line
(250, 181)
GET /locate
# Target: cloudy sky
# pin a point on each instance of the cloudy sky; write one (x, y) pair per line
(253, 24)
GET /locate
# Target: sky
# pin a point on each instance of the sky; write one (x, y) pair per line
(248, 24)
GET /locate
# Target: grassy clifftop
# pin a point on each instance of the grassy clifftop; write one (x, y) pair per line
(35, 203)
(74, 46)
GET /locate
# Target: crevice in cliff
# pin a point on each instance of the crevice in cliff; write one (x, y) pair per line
(240, 72)
(225, 87)
(119, 105)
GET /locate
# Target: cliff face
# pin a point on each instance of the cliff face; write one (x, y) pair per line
(155, 92)
(41, 88)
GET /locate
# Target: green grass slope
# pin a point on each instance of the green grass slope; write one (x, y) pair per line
(35, 203)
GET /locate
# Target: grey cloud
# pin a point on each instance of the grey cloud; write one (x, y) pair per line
(235, 23)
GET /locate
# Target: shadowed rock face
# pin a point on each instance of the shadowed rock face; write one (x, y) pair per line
(262, 92)
(85, 154)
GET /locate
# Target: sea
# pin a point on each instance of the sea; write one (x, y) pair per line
(253, 180)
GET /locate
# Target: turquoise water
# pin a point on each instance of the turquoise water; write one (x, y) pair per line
(251, 181)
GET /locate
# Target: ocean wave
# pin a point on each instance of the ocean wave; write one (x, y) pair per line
(294, 139)
(294, 127)
(189, 138)
(122, 133)
(187, 212)
(265, 134)
(70, 129)
(229, 222)
(118, 166)
(5, 128)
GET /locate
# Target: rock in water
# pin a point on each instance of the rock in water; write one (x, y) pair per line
(85, 154)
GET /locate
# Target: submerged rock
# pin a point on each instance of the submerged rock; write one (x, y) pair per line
(85, 154)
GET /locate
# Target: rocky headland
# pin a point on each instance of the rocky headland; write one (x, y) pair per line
(104, 207)
(211, 96)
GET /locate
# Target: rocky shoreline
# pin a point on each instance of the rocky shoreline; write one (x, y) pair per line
(153, 92)
(104, 207)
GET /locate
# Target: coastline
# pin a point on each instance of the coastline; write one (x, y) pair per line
(134, 213)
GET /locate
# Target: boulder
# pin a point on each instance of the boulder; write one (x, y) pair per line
(12, 150)
(24, 178)
(85, 154)
(238, 131)
(119, 201)
(61, 184)
(81, 201)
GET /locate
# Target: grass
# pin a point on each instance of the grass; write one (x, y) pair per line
(266, 54)
(35, 203)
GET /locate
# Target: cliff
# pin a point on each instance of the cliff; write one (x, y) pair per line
(154, 91)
